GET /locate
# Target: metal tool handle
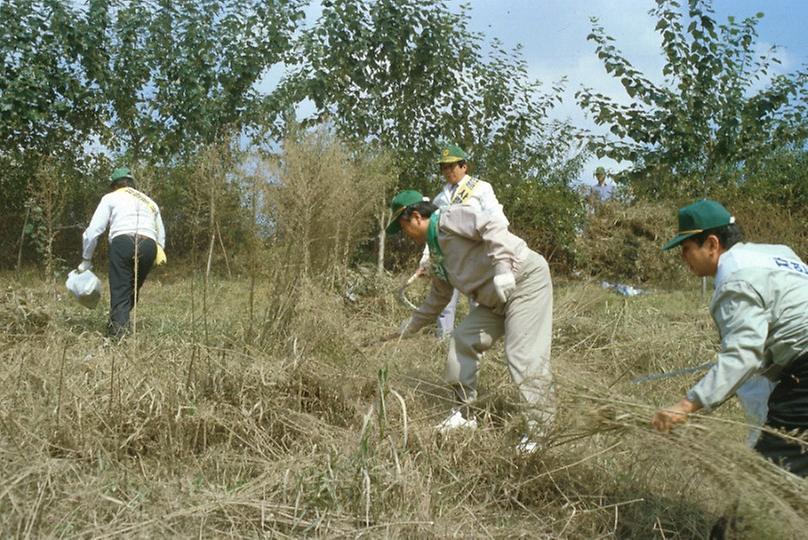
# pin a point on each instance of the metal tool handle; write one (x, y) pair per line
(403, 297)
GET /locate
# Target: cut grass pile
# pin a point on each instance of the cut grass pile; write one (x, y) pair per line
(303, 429)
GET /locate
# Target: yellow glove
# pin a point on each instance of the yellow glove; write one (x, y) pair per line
(160, 258)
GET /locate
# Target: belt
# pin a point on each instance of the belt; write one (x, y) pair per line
(135, 236)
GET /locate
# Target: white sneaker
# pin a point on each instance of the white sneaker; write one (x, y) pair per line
(527, 447)
(456, 420)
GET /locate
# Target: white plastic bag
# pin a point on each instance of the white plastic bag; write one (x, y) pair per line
(85, 286)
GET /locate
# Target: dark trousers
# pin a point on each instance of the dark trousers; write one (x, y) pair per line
(788, 410)
(122, 269)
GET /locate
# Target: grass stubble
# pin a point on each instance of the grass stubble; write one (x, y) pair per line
(303, 430)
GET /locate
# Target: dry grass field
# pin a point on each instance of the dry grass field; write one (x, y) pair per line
(207, 423)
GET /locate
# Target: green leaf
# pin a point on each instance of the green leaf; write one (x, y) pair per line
(695, 125)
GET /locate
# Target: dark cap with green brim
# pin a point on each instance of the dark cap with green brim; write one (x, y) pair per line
(698, 217)
(400, 203)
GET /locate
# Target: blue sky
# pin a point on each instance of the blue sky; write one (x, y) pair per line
(553, 35)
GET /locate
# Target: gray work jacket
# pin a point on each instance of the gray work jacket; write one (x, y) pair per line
(760, 306)
(476, 246)
(482, 198)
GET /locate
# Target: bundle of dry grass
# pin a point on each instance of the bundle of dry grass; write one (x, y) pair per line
(319, 436)
(21, 313)
(623, 242)
(768, 222)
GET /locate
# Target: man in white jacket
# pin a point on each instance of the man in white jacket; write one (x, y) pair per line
(136, 235)
(759, 307)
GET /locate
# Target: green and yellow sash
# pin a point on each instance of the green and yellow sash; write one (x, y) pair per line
(435, 253)
(160, 258)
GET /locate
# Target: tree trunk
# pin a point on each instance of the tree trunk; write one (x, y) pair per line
(382, 238)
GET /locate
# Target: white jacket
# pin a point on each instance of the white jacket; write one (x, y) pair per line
(123, 213)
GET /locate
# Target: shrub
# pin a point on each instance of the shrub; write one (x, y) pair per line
(781, 179)
(765, 220)
(623, 242)
(547, 218)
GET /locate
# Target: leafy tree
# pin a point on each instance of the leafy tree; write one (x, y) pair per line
(158, 79)
(530, 160)
(509, 129)
(408, 74)
(781, 179)
(715, 110)
(155, 81)
(47, 107)
(384, 72)
(44, 101)
(183, 72)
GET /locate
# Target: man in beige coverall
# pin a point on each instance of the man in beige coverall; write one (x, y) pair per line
(474, 252)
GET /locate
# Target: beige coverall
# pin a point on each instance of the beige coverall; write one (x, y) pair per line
(476, 246)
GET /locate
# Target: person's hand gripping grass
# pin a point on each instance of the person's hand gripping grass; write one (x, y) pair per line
(665, 419)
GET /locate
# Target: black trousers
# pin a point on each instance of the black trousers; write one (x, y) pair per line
(788, 409)
(122, 269)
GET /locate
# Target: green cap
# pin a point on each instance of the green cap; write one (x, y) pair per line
(119, 173)
(399, 203)
(599, 171)
(698, 217)
(451, 153)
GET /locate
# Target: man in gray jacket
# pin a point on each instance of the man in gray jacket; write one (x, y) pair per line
(473, 251)
(759, 307)
(460, 188)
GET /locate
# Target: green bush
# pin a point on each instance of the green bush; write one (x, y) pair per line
(547, 218)
(781, 179)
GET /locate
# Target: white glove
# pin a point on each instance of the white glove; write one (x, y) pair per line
(504, 284)
(85, 264)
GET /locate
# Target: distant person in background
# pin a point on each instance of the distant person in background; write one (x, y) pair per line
(136, 240)
(601, 192)
(460, 188)
(761, 291)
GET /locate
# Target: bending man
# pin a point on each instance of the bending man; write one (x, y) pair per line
(460, 188)
(474, 252)
(135, 228)
(759, 307)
